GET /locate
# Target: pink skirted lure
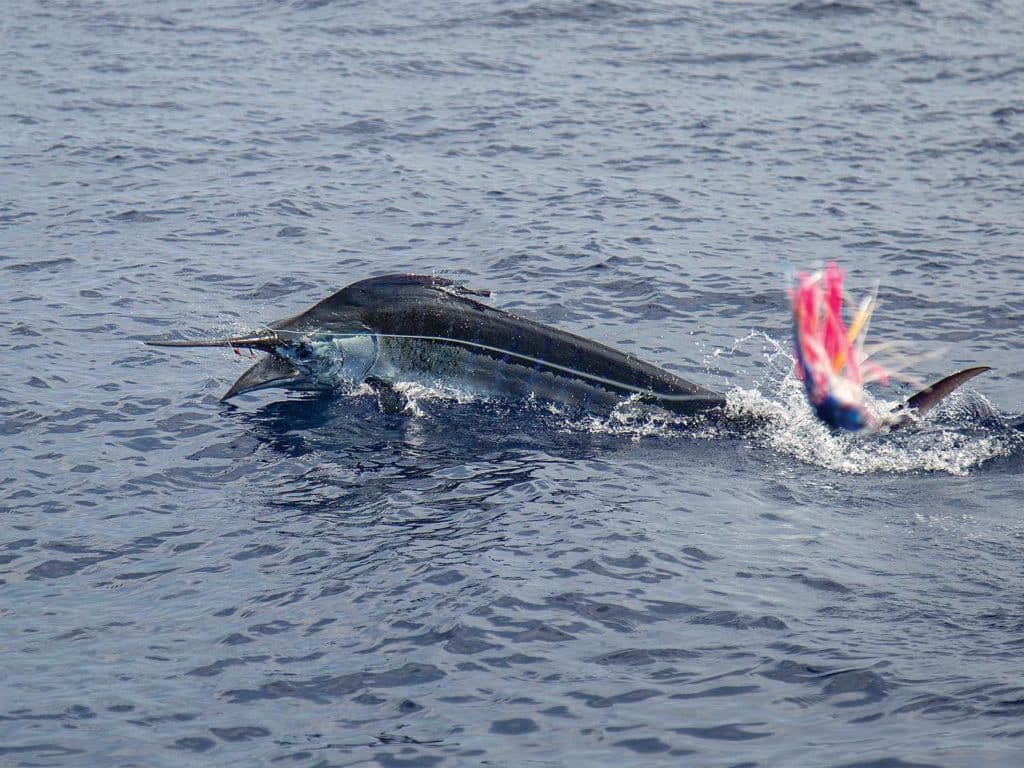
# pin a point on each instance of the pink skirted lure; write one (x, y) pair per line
(830, 357)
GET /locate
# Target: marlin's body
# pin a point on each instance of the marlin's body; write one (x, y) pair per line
(428, 330)
(411, 328)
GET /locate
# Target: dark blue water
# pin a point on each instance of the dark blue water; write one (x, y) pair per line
(297, 580)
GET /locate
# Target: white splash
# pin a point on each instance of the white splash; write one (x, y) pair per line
(416, 393)
(775, 415)
(942, 443)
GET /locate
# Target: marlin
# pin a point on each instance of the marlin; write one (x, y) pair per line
(430, 330)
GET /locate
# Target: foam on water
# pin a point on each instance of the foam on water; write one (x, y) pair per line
(940, 444)
(958, 437)
(417, 393)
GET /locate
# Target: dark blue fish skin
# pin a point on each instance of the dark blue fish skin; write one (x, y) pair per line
(443, 313)
(431, 325)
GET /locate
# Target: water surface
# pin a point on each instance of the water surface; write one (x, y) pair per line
(297, 580)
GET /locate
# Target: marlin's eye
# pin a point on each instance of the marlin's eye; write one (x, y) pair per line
(304, 352)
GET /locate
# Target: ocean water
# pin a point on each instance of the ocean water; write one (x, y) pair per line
(302, 580)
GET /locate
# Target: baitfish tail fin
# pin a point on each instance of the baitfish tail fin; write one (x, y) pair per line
(918, 405)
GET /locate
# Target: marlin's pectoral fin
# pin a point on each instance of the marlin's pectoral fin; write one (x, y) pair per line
(930, 396)
(271, 371)
(390, 400)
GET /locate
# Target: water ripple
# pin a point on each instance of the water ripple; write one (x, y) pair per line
(296, 579)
